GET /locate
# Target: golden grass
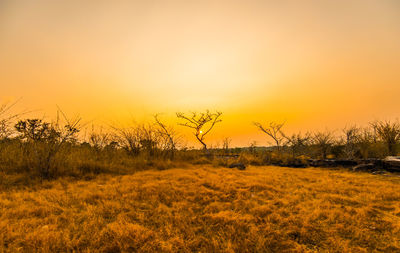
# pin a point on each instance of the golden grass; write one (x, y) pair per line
(206, 209)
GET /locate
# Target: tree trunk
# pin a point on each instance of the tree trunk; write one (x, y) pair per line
(202, 142)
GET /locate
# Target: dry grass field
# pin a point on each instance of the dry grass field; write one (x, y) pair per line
(206, 209)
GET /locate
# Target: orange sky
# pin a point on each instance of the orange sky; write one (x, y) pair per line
(315, 64)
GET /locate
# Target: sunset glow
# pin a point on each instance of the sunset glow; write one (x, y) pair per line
(315, 64)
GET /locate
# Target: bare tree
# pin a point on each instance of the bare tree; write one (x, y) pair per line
(169, 135)
(201, 123)
(389, 133)
(99, 139)
(323, 141)
(351, 138)
(253, 147)
(297, 141)
(364, 142)
(226, 143)
(129, 139)
(149, 139)
(273, 130)
(139, 138)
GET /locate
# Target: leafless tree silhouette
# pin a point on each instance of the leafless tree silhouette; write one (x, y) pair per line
(298, 141)
(273, 130)
(351, 135)
(389, 133)
(99, 139)
(226, 143)
(323, 141)
(169, 136)
(365, 140)
(201, 123)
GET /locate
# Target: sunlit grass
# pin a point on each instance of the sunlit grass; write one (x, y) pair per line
(206, 209)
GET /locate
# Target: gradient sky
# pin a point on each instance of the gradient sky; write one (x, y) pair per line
(316, 64)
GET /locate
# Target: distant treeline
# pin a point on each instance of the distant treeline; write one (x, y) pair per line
(44, 149)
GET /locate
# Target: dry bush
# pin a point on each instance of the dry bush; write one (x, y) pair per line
(365, 141)
(138, 139)
(351, 138)
(226, 143)
(129, 139)
(367, 145)
(42, 143)
(100, 139)
(298, 143)
(389, 133)
(323, 141)
(169, 138)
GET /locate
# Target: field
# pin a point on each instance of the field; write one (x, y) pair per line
(206, 209)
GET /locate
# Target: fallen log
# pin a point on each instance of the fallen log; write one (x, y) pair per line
(332, 163)
(369, 167)
(392, 163)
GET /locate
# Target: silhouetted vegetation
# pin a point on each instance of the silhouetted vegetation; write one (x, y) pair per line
(274, 131)
(47, 150)
(201, 123)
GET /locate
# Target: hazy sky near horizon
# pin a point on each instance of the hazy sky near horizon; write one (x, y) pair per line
(315, 64)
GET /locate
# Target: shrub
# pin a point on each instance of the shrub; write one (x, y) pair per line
(41, 143)
(389, 133)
